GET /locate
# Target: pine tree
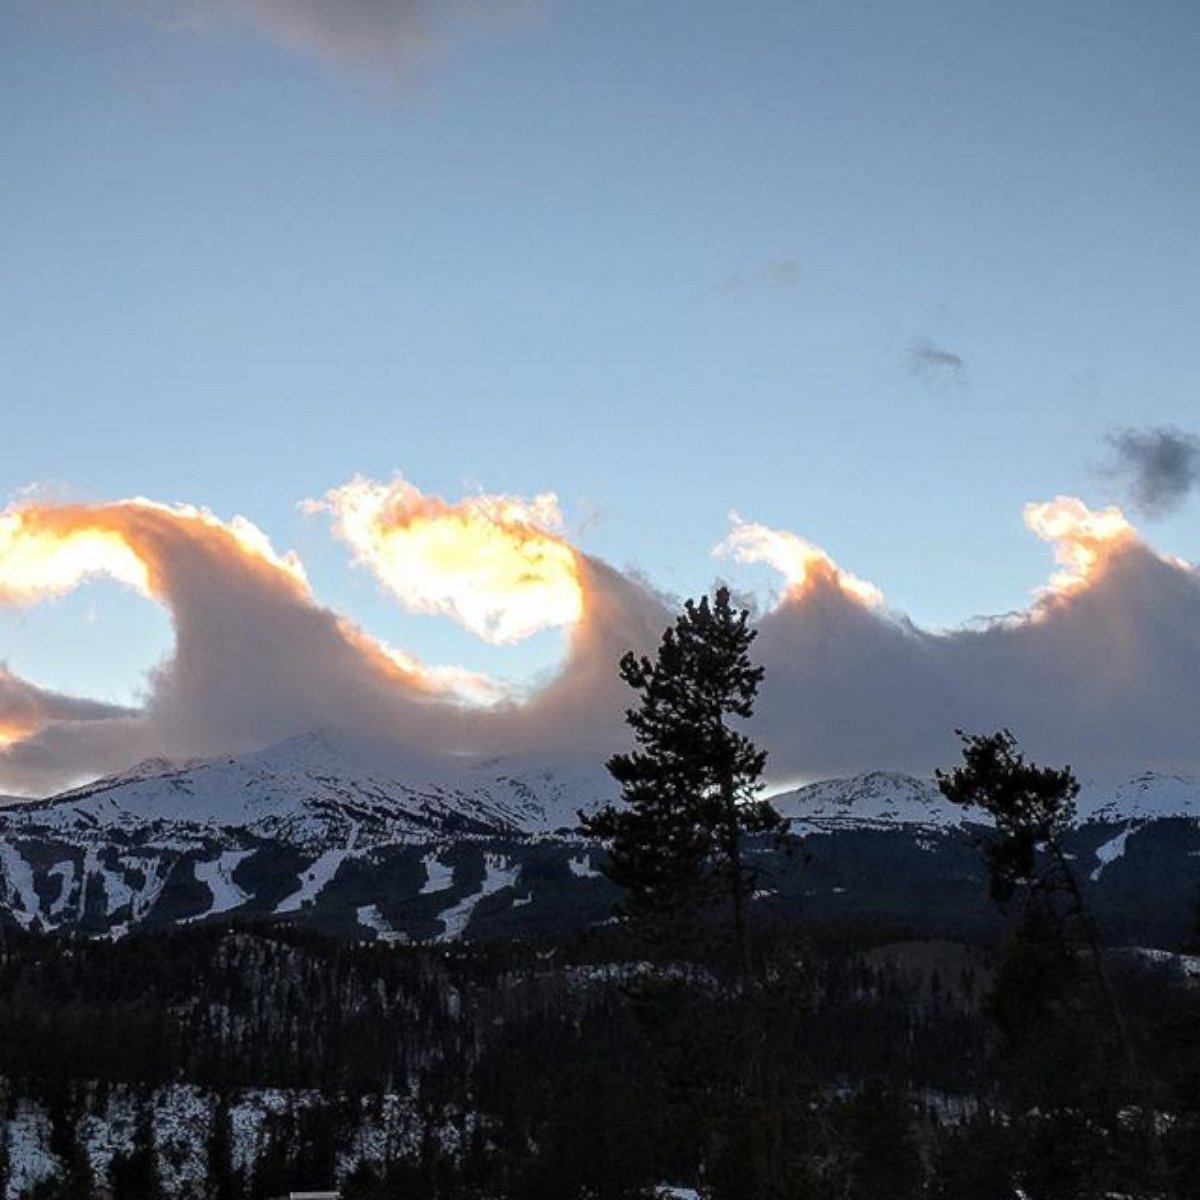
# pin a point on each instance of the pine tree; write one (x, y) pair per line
(1032, 809)
(690, 787)
(221, 1182)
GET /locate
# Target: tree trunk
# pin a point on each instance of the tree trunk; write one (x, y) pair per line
(737, 876)
(1116, 1020)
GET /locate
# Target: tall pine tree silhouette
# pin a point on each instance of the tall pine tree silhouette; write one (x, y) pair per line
(1032, 809)
(690, 785)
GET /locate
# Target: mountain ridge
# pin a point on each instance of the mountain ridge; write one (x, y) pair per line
(371, 843)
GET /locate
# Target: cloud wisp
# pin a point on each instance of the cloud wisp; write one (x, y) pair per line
(1157, 468)
(26, 709)
(775, 275)
(370, 33)
(1102, 669)
(376, 36)
(802, 565)
(935, 367)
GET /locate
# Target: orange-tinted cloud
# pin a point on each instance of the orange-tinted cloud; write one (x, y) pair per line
(1103, 668)
(1083, 538)
(26, 709)
(255, 658)
(498, 565)
(802, 564)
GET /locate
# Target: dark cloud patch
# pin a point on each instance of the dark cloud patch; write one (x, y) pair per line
(1157, 468)
(935, 366)
(776, 275)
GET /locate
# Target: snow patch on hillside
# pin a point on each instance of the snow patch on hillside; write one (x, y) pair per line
(20, 894)
(315, 879)
(582, 868)
(217, 876)
(64, 874)
(880, 800)
(498, 874)
(1113, 849)
(369, 917)
(438, 876)
(887, 800)
(28, 1146)
(385, 1128)
(1147, 797)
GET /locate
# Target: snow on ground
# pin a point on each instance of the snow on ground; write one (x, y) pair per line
(182, 1123)
(1113, 849)
(18, 884)
(301, 786)
(391, 1130)
(369, 917)
(314, 880)
(581, 867)
(217, 876)
(247, 1118)
(156, 872)
(1146, 797)
(118, 891)
(438, 876)
(138, 894)
(499, 874)
(1189, 964)
(884, 799)
(539, 796)
(64, 872)
(317, 876)
(879, 800)
(387, 1127)
(104, 1135)
(29, 1157)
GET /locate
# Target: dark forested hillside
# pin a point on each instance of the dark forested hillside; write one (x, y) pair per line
(245, 1061)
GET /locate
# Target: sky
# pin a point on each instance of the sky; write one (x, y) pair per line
(875, 275)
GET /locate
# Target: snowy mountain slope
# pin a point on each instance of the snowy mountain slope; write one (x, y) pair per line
(367, 842)
(885, 799)
(289, 831)
(1148, 797)
(309, 790)
(879, 800)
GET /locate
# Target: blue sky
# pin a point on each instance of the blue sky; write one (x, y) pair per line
(877, 273)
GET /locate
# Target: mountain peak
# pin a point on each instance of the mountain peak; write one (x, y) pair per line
(878, 799)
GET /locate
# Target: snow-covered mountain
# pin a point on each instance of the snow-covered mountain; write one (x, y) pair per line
(887, 799)
(275, 831)
(370, 843)
(1151, 796)
(879, 800)
(310, 789)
